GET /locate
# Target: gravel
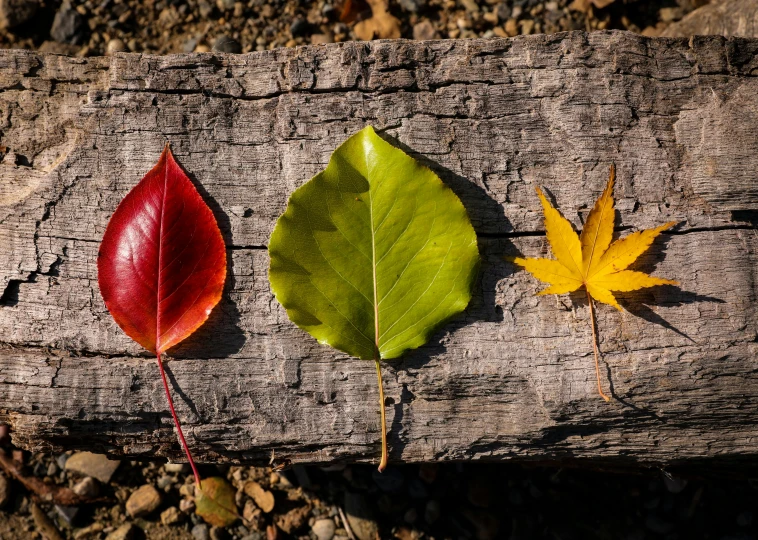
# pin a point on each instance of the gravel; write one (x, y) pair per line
(98, 27)
(409, 502)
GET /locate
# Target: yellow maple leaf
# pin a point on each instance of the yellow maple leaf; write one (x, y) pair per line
(590, 260)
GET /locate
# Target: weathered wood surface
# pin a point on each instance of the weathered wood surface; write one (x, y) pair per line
(514, 377)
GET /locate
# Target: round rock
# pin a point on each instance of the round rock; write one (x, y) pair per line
(324, 529)
(227, 44)
(143, 501)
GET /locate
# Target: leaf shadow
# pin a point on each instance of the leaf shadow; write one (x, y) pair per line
(482, 209)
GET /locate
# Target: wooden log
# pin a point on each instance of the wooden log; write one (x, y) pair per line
(511, 379)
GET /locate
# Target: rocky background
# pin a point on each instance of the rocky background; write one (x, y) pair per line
(137, 500)
(347, 502)
(97, 27)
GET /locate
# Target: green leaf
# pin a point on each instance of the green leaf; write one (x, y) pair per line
(373, 253)
(214, 502)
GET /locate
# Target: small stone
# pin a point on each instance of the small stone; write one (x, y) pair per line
(324, 529)
(61, 460)
(52, 469)
(127, 531)
(93, 531)
(44, 524)
(225, 5)
(250, 512)
(187, 491)
(470, 5)
(187, 506)
(87, 487)
(511, 27)
(360, 518)
(239, 9)
(432, 511)
(263, 498)
(299, 27)
(412, 5)
(13, 13)
(503, 11)
(200, 532)
(133, 45)
(202, 48)
(68, 513)
(94, 465)
(5, 490)
(227, 44)
(204, 8)
(670, 14)
(527, 26)
(165, 482)
(67, 25)
(424, 31)
(143, 501)
(170, 516)
(322, 39)
(293, 520)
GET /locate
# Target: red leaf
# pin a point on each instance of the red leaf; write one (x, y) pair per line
(162, 263)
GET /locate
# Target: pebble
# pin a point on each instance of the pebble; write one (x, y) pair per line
(5, 490)
(127, 531)
(89, 532)
(293, 520)
(44, 525)
(178, 468)
(115, 46)
(87, 487)
(200, 532)
(94, 465)
(412, 5)
(299, 27)
(424, 31)
(67, 25)
(225, 5)
(68, 513)
(61, 460)
(322, 39)
(226, 44)
(324, 529)
(52, 469)
(143, 501)
(170, 516)
(359, 516)
(262, 497)
(187, 506)
(165, 482)
(13, 14)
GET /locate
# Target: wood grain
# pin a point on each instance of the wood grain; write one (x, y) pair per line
(511, 379)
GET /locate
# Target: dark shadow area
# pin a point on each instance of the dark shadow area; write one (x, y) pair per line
(220, 336)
